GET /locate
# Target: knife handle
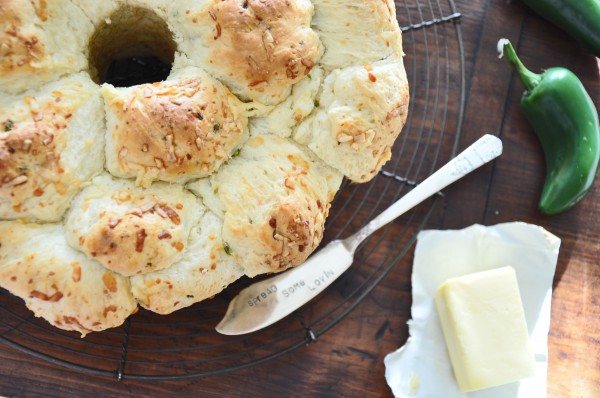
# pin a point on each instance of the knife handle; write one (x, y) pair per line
(476, 155)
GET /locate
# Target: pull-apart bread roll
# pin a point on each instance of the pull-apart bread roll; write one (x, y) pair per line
(356, 33)
(59, 283)
(51, 143)
(132, 230)
(38, 44)
(360, 114)
(273, 198)
(152, 152)
(205, 268)
(176, 130)
(258, 48)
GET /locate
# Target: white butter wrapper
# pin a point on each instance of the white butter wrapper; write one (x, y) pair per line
(421, 368)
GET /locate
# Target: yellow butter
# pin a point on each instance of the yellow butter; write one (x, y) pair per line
(485, 329)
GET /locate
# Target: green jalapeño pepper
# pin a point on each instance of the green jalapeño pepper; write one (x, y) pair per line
(565, 121)
(579, 18)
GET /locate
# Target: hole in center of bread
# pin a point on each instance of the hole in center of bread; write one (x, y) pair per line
(133, 46)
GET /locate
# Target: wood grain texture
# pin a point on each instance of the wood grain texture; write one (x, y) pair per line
(348, 360)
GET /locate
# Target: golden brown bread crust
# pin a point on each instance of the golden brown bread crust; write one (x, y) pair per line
(21, 46)
(35, 47)
(173, 130)
(264, 46)
(361, 112)
(203, 271)
(27, 154)
(132, 230)
(376, 139)
(40, 165)
(273, 198)
(59, 283)
(135, 242)
(265, 36)
(292, 233)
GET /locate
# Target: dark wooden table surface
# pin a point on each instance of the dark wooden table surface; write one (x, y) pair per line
(348, 360)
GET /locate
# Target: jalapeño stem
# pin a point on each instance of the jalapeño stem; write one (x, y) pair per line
(530, 80)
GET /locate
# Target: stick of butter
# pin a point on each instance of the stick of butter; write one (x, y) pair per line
(485, 330)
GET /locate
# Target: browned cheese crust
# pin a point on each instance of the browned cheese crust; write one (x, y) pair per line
(21, 47)
(29, 161)
(56, 282)
(38, 131)
(173, 130)
(262, 46)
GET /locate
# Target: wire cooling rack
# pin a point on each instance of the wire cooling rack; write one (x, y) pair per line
(185, 344)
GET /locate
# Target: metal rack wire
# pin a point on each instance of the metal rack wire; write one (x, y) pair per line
(185, 345)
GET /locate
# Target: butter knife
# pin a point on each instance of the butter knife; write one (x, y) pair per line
(266, 302)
